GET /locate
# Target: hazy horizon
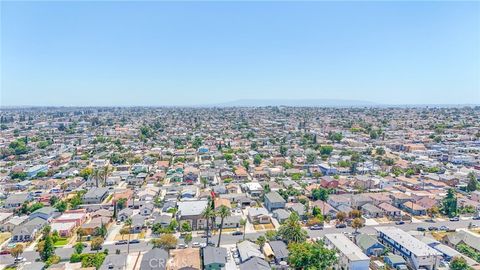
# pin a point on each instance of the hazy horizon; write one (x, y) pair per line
(208, 53)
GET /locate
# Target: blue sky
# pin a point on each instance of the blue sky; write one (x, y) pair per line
(189, 53)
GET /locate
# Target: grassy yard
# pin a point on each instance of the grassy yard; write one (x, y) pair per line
(260, 227)
(4, 236)
(61, 242)
(438, 235)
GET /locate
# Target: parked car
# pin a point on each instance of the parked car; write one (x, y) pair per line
(205, 235)
(341, 226)
(20, 259)
(195, 244)
(121, 242)
(476, 218)
(421, 229)
(5, 252)
(430, 220)
(316, 227)
(432, 228)
(443, 228)
(454, 219)
(237, 233)
(181, 246)
(400, 222)
(135, 241)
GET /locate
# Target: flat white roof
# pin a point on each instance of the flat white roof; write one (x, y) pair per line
(346, 247)
(415, 246)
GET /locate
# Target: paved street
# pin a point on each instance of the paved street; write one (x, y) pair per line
(228, 239)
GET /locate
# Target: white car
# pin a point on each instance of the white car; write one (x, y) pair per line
(20, 259)
(195, 244)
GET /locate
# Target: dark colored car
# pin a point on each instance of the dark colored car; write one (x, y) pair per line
(135, 241)
(237, 233)
(432, 228)
(341, 226)
(476, 218)
(121, 242)
(421, 229)
(400, 222)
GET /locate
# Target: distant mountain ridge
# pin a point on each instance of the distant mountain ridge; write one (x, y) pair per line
(297, 103)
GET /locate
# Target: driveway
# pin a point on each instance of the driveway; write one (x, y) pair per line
(113, 231)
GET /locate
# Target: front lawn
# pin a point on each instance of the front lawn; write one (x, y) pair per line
(61, 242)
(4, 236)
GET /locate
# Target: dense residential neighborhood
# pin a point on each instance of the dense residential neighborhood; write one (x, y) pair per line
(240, 188)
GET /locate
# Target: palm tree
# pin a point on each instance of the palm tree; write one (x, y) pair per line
(223, 212)
(204, 182)
(243, 223)
(97, 174)
(323, 196)
(128, 222)
(105, 173)
(80, 234)
(208, 214)
(291, 231)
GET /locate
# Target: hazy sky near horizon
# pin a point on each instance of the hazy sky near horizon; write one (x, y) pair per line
(191, 53)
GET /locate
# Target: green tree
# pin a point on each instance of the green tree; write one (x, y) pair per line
(472, 182)
(208, 214)
(449, 203)
(322, 195)
(291, 231)
(96, 243)
(128, 223)
(223, 212)
(243, 223)
(47, 249)
(459, 263)
(204, 182)
(165, 241)
(61, 206)
(335, 136)
(380, 151)
(271, 235)
(188, 238)
(186, 227)
(311, 156)
(78, 247)
(261, 240)
(326, 150)
(257, 159)
(311, 256)
(86, 173)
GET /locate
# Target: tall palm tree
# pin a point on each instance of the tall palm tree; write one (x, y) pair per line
(223, 212)
(128, 222)
(243, 223)
(105, 173)
(97, 174)
(208, 214)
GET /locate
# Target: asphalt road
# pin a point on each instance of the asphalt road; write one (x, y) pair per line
(65, 253)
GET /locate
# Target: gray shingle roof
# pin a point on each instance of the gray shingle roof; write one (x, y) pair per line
(214, 255)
